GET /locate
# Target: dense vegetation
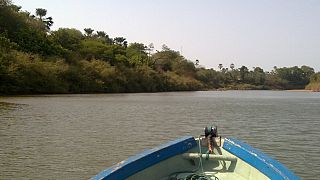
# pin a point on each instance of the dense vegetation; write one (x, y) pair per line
(35, 59)
(314, 82)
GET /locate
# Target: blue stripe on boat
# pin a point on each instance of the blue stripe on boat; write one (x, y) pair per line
(146, 159)
(265, 164)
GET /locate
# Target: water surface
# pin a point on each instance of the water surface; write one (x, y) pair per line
(77, 136)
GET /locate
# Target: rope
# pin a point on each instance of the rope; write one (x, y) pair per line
(200, 154)
(193, 175)
(196, 177)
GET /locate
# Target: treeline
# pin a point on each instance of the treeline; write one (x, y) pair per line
(242, 78)
(35, 59)
(314, 84)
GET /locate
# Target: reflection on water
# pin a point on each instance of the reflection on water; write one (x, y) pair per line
(77, 136)
(5, 106)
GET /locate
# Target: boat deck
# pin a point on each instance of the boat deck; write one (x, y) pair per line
(222, 165)
(231, 159)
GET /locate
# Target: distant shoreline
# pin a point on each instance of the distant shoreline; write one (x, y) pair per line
(289, 90)
(299, 90)
(221, 90)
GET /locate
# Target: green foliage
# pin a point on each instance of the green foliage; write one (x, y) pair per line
(88, 32)
(68, 38)
(136, 53)
(258, 76)
(41, 12)
(314, 84)
(5, 2)
(46, 21)
(30, 74)
(6, 45)
(28, 33)
(295, 76)
(174, 82)
(121, 41)
(243, 78)
(313, 87)
(101, 34)
(183, 67)
(91, 76)
(274, 82)
(163, 60)
(315, 78)
(244, 71)
(35, 60)
(92, 49)
(209, 77)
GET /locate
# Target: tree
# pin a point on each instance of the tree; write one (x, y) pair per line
(307, 72)
(88, 32)
(232, 74)
(28, 33)
(41, 13)
(296, 77)
(136, 53)
(183, 67)
(209, 77)
(101, 34)
(231, 66)
(5, 2)
(6, 45)
(164, 59)
(48, 22)
(197, 62)
(121, 41)
(93, 49)
(69, 61)
(314, 84)
(150, 49)
(243, 73)
(315, 78)
(68, 38)
(259, 76)
(165, 48)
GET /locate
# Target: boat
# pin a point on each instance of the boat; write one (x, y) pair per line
(204, 157)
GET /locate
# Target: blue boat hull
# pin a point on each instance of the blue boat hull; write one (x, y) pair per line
(147, 165)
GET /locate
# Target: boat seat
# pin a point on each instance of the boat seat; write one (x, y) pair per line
(212, 157)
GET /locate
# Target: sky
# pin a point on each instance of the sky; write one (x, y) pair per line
(254, 33)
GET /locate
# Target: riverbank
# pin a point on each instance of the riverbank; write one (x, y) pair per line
(299, 90)
(220, 89)
(315, 86)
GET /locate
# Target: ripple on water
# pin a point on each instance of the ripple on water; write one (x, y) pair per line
(77, 136)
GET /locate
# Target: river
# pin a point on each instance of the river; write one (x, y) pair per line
(77, 136)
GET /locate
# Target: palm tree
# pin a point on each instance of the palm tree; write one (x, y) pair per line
(150, 50)
(197, 62)
(231, 66)
(101, 34)
(232, 73)
(48, 22)
(41, 12)
(88, 31)
(150, 47)
(243, 72)
(121, 41)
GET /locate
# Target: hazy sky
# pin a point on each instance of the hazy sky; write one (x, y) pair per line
(263, 33)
